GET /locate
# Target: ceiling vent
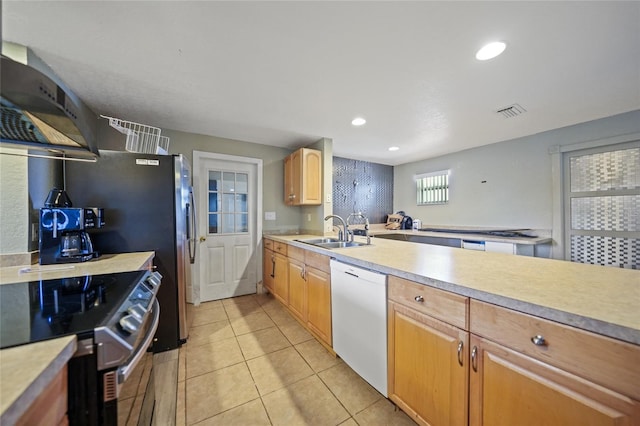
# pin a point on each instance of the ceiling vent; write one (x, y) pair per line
(511, 111)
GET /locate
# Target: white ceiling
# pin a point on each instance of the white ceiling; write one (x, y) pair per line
(289, 73)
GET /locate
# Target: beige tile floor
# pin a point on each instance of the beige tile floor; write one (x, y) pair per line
(248, 362)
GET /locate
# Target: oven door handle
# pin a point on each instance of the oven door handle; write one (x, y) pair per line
(125, 371)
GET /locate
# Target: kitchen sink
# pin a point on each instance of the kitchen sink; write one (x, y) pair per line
(320, 240)
(340, 244)
(331, 243)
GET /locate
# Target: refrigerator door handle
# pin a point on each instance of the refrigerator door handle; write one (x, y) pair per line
(191, 226)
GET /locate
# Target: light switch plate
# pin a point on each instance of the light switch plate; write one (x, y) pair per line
(269, 215)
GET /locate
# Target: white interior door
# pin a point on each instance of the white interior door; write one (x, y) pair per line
(228, 193)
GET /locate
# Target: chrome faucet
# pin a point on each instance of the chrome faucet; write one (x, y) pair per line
(366, 225)
(342, 236)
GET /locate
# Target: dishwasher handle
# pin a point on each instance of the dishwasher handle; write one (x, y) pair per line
(352, 274)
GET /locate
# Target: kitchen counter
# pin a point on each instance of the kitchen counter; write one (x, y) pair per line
(105, 264)
(600, 299)
(463, 233)
(25, 371)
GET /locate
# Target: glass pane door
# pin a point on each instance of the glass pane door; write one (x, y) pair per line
(228, 202)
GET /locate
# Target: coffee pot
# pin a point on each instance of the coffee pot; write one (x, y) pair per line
(75, 243)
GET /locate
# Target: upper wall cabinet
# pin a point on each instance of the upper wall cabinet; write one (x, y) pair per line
(303, 178)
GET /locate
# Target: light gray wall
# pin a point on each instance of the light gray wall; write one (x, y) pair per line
(518, 189)
(24, 185)
(43, 175)
(14, 202)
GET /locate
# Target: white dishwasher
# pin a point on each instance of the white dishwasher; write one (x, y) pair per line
(359, 321)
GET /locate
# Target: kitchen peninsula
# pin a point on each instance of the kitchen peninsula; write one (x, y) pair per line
(473, 335)
(28, 371)
(595, 298)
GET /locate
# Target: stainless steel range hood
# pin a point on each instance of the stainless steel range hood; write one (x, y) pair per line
(40, 113)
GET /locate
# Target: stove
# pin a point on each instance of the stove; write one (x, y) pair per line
(113, 316)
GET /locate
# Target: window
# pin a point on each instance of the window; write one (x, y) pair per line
(602, 200)
(228, 206)
(433, 188)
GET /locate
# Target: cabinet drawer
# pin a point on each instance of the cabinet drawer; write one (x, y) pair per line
(603, 360)
(267, 243)
(295, 253)
(318, 261)
(279, 247)
(448, 307)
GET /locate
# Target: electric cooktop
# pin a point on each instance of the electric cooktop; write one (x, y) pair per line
(33, 311)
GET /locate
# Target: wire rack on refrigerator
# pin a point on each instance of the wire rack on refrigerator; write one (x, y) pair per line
(140, 138)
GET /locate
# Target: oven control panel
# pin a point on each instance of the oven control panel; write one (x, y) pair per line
(121, 337)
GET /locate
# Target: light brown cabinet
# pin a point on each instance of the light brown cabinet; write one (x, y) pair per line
(303, 177)
(513, 368)
(281, 278)
(308, 285)
(268, 265)
(297, 284)
(530, 371)
(310, 291)
(427, 357)
(50, 407)
(319, 296)
(275, 269)
(509, 388)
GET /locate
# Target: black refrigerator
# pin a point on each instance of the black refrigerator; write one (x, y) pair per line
(148, 206)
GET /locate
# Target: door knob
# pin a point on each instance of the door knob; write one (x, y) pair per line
(203, 239)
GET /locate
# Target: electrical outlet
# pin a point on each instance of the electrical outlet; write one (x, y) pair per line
(329, 198)
(34, 232)
(269, 215)
(308, 217)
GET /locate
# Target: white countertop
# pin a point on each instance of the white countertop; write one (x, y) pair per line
(105, 264)
(604, 300)
(463, 233)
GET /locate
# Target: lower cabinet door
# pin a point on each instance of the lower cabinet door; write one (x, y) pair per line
(281, 279)
(319, 304)
(268, 269)
(508, 388)
(297, 290)
(428, 367)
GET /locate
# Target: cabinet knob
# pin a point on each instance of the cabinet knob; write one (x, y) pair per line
(419, 299)
(539, 340)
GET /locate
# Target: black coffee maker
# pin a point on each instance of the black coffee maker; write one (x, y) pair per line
(63, 235)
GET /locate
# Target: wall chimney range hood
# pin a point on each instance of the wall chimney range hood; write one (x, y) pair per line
(40, 113)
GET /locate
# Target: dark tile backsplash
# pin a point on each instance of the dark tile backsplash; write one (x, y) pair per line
(360, 186)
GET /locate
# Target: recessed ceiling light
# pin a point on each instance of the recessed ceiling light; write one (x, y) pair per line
(358, 121)
(491, 50)
(394, 148)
